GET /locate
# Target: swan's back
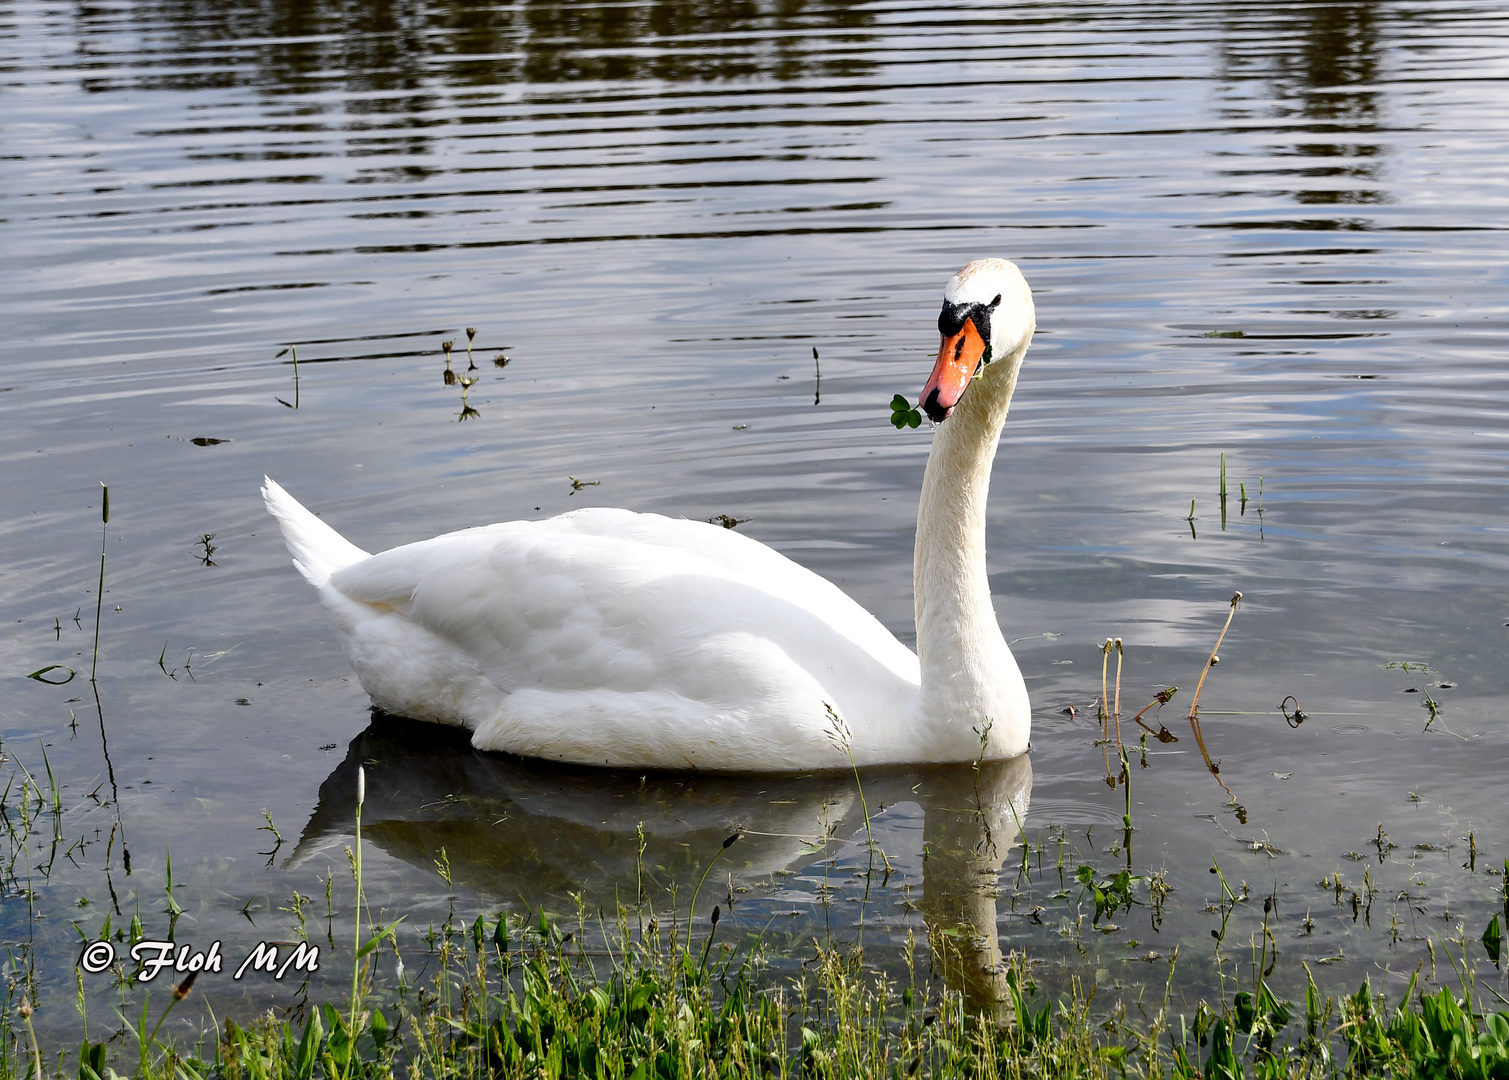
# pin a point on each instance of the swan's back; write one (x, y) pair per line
(604, 636)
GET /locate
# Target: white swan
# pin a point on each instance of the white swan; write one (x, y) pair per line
(606, 637)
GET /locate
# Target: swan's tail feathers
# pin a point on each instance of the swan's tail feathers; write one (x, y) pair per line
(317, 549)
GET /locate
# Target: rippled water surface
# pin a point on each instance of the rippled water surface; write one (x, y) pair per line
(1273, 232)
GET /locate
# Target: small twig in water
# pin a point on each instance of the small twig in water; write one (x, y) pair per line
(838, 734)
(294, 349)
(1105, 715)
(1194, 705)
(1163, 734)
(1116, 710)
(1223, 490)
(271, 827)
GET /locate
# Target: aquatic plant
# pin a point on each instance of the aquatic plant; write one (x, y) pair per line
(99, 599)
(520, 997)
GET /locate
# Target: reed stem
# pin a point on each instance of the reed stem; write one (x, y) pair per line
(99, 600)
(356, 948)
(1116, 711)
(1194, 705)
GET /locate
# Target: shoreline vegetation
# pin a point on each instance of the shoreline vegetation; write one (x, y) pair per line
(521, 997)
(638, 994)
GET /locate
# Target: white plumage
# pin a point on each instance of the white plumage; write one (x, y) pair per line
(607, 637)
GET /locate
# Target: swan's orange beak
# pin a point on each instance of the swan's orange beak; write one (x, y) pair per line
(958, 357)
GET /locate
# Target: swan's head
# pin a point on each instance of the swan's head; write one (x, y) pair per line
(987, 317)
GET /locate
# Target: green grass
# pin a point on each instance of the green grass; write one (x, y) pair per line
(636, 992)
(516, 998)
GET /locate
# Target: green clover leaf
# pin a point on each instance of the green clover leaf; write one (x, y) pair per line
(903, 415)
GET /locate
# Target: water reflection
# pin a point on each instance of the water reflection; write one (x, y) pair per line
(392, 53)
(1320, 64)
(1333, 69)
(518, 830)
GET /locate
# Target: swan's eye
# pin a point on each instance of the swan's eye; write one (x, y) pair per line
(979, 314)
(996, 302)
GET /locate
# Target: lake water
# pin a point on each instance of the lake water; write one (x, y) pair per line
(1273, 232)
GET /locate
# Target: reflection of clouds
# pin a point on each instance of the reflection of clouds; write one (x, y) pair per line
(516, 830)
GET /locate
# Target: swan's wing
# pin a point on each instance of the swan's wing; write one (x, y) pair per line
(601, 569)
(606, 628)
(746, 560)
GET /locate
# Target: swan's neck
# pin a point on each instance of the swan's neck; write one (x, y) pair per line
(969, 678)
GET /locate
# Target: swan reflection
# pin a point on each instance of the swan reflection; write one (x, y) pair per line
(522, 830)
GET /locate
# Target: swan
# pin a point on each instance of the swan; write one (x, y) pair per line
(608, 637)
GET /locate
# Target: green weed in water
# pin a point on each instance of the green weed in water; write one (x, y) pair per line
(99, 599)
(41, 672)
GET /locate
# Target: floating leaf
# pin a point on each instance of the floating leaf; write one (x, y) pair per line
(52, 682)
